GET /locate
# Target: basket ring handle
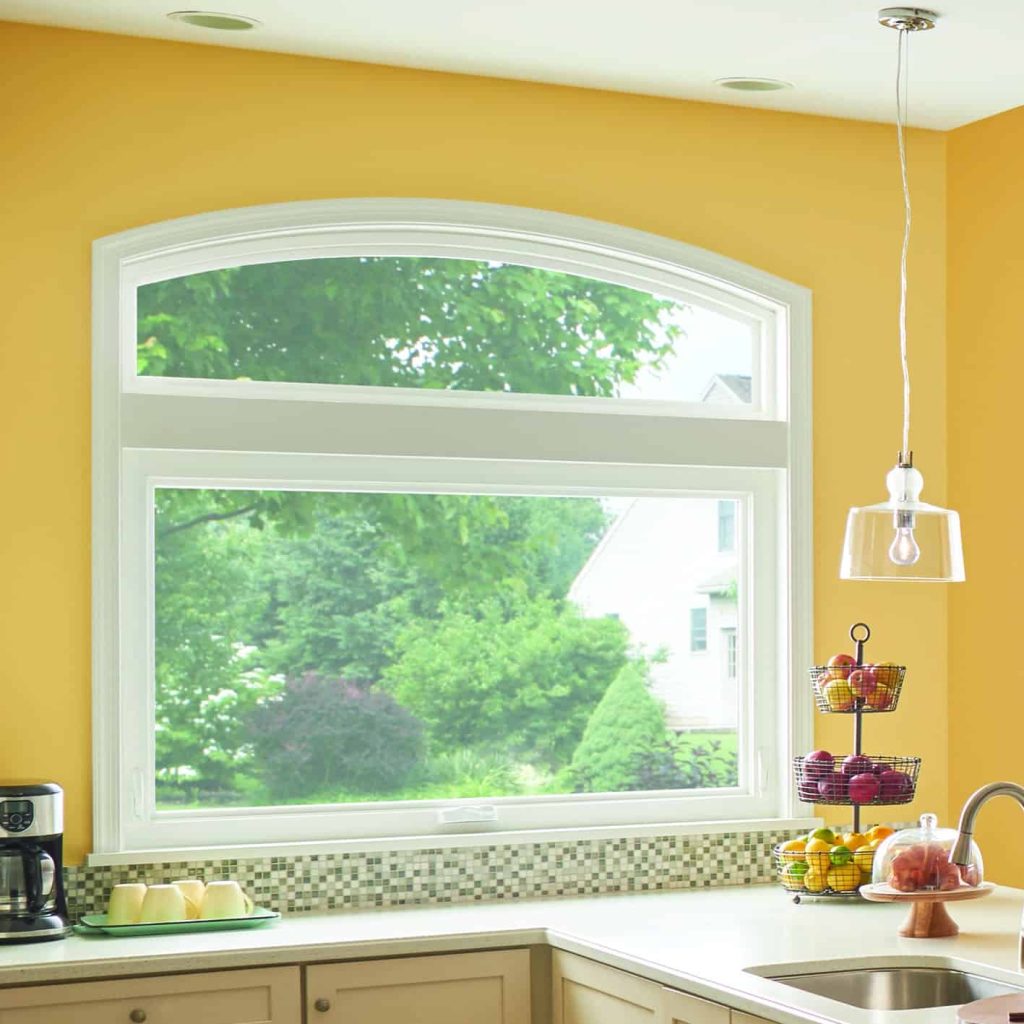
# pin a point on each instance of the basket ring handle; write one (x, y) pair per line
(860, 627)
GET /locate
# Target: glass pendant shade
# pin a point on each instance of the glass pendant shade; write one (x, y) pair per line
(903, 538)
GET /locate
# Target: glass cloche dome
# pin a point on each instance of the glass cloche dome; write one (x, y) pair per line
(918, 860)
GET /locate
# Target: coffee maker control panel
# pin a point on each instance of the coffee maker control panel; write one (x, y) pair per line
(16, 815)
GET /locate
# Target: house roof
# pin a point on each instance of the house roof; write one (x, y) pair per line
(719, 584)
(735, 383)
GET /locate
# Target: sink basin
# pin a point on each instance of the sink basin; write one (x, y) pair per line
(899, 988)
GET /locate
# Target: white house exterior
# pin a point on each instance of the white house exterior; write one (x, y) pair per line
(667, 569)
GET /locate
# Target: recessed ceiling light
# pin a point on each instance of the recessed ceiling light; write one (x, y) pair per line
(753, 84)
(215, 20)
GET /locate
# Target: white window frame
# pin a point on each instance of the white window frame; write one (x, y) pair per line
(150, 432)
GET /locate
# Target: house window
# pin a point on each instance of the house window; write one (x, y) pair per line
(374, 547)
(729, 636)
(727, 525)
(698, 629)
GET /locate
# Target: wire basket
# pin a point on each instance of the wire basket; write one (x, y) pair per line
(844, 689)
(860, 780)
(814, 874)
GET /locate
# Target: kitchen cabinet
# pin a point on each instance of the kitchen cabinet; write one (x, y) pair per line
(585, 992)
(264, 996)
(464, 988)
(680, 1008)
(737, 1017)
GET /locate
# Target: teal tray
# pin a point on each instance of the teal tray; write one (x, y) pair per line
(96, 924)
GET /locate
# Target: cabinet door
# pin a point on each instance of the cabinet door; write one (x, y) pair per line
(586, 992)
(680, 1008)
(463, 988)
(265, 996)
(738, 1017)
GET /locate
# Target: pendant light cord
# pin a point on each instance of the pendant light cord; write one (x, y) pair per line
(902, 79)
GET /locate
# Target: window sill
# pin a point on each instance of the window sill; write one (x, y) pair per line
(448, 840)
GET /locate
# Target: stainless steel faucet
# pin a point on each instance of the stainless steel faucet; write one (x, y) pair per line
(962, 850)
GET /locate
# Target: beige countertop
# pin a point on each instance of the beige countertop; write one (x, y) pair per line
(702, 941)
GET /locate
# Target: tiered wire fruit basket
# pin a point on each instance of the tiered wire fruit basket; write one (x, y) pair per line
(821, 864)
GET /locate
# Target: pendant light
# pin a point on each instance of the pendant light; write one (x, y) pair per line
(903, 538)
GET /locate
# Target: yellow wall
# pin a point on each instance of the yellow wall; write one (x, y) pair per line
(109, 132)
(986, 363)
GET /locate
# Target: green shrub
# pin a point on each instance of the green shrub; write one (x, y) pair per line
(323, 733)
(513, 673)
(625, 745)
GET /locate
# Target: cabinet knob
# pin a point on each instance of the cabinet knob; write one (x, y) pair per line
(137, 1016)
(322, 1005)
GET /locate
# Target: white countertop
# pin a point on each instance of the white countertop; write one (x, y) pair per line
(700, 941)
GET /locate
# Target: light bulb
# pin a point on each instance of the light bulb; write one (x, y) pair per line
(904, 549)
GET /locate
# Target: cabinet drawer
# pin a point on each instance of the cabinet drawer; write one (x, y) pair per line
(265, 996)
(463, 988)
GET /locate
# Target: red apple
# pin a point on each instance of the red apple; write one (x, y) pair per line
(817, 764)
(863, 682)
(840, 665)
(895, 785)
(864, 788)
(858, 764)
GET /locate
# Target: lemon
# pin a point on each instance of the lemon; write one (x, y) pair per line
(844, 878)
(794, 846)
(815, 881)
(864, 858)
(817, 855)
(823, 833)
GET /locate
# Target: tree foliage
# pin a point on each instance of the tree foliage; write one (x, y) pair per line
(453, 605)
(513, 671)
(321, 734)
(403, 322)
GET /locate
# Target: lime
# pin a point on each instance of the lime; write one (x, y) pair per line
(840, 855)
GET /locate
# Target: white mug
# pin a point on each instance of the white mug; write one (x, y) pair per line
(125, 904)
(193, 889)
(225, 899)
(163, 903)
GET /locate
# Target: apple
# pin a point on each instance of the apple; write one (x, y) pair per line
(840, 665)
(887, 672)
(864, 788)
(838, 695)
(863, 682)
(858, 764)
(895, 785)
(880, 698)
(808, 790)
(833, 787)
(818, 763)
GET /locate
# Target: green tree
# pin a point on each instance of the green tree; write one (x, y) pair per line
(512, 672)
(206, 677)
(625, 745)
(403, 321)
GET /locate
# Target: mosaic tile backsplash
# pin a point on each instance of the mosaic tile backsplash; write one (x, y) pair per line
(357, 881)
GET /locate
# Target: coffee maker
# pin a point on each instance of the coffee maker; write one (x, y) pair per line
(33, 907)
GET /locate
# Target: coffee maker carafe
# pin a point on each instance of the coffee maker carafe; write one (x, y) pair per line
(32, 902)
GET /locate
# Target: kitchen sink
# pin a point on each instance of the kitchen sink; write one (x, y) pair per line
(899, 988)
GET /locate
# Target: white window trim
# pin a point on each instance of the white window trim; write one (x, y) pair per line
(135, 449)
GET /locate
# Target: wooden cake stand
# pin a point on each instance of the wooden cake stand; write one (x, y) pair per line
(927, 917)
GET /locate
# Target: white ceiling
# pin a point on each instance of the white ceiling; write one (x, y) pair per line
(840, 61)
